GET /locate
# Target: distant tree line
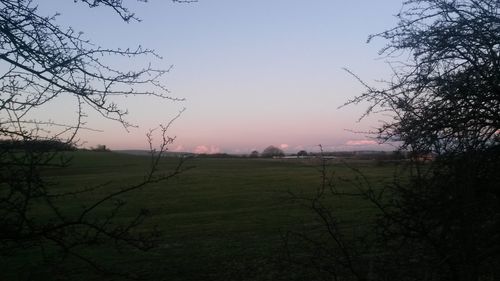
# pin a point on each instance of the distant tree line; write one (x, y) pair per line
(273, 151)
(100, 148)
(217, 155)
(36, 145)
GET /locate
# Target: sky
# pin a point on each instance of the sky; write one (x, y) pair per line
(253, 73)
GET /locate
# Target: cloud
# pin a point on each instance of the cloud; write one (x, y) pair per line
(284, 146)
(360, 142)
(206, 149)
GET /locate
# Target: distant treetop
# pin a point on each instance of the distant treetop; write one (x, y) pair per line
(272, 151)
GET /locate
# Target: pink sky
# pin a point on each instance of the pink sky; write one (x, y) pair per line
(254, 73)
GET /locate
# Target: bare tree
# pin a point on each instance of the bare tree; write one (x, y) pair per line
(439, 219)
(443, 222)
(445, 98)
(42, 62)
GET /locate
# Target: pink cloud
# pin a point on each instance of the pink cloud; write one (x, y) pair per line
(360, 142)
(206, 149)
(284, 146)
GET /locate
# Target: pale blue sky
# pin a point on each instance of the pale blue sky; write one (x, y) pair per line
(254, 73)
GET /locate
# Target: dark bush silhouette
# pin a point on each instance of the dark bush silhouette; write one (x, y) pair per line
(302, 153)
(272, 151)
(100, 148)
(36, 145)
(440, 218)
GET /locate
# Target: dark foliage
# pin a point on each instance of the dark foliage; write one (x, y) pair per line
(272, 151)
(254, 154)
(440, 218)
(36, 145)
(302, 153)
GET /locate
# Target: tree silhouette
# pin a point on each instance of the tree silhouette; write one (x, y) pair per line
(254, 154)
(42, 62)
(439, 219)
(302, 153)
(272, 151)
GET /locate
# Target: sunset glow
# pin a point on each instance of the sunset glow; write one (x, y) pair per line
(252, 73)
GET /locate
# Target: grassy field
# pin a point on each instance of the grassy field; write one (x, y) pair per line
(222, 219)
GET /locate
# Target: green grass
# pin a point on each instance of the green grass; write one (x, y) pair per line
(221, 219)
